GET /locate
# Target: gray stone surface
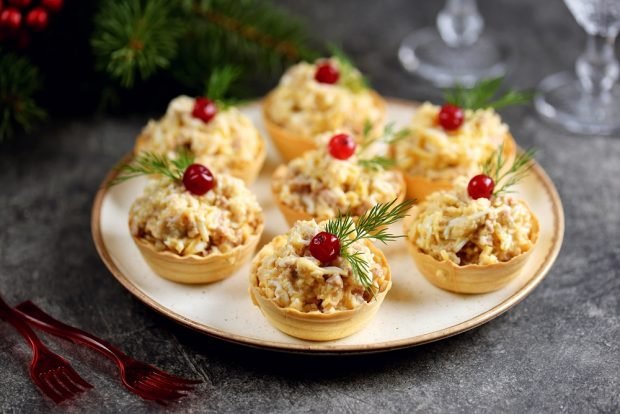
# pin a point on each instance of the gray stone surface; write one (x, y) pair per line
(558, 351)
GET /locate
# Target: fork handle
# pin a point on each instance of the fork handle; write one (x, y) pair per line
(15, 318)
(34, 315)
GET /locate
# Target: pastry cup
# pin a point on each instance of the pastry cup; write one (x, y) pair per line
(194, 269)
(291, 215)
(317, 326)
(248, 171)
(291, 145)
(419, 186)
(471, 278)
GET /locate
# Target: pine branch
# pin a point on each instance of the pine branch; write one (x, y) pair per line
(253, 35)
(19, 81)
(135, 38)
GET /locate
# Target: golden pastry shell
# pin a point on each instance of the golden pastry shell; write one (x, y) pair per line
(317, 326)
(195, 269)
(291, 145)
(471, 278)
(419, 186)
(248, 172)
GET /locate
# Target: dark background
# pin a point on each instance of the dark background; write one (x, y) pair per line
(556, 351)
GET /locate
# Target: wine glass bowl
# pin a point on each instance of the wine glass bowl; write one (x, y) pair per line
(587, 101)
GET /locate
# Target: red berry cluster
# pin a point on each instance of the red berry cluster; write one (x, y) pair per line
(18, 18)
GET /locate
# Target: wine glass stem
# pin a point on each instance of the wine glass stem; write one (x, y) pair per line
(459, 23)
(597, 67)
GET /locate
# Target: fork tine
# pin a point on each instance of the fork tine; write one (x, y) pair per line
(67, 382)
(76, 378)
(147, 395)
(169, 384)
(47, 389)
(174, 378)
(163, 393)
(50, 378)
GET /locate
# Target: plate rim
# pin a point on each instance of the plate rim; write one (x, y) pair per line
(329, 347)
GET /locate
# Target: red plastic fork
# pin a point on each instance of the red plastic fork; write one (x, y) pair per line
(138, 377)
(50, 372)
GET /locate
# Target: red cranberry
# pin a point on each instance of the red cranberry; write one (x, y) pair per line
(204, 109)
(10, 19)
(52, 5)
(342, 146)
(481, 186)
(37, 19)
(325, 247)
(327, 73)
(198, 180)
(22, 4)
(451, 117)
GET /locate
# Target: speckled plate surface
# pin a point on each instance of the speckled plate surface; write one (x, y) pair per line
(414, 311)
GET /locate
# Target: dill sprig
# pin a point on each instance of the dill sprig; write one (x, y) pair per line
(377, 163)
(372, 225)
(389, 136)
(350, 77)
(484, 95)
(150, 163)
(520, 168)
(220, 82)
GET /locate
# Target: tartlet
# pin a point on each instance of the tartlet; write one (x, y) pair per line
(318, 186)
(228, 142)
(431, 158)
(470, 245)
(196, 239)
(301, 107)
(309, 300)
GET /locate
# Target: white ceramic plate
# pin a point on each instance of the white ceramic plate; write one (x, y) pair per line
(414, 311)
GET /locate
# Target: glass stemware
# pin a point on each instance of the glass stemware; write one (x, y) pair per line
(456, 51)
(588, 100)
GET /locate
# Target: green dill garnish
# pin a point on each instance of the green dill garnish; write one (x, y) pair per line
(350, 77)
(377, 163)
(389, 136)
(372, 226)
(520, 167)
(220, 82)
(150, 163)
(484, 95)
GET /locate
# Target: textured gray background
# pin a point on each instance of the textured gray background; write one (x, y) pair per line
(557, 351)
